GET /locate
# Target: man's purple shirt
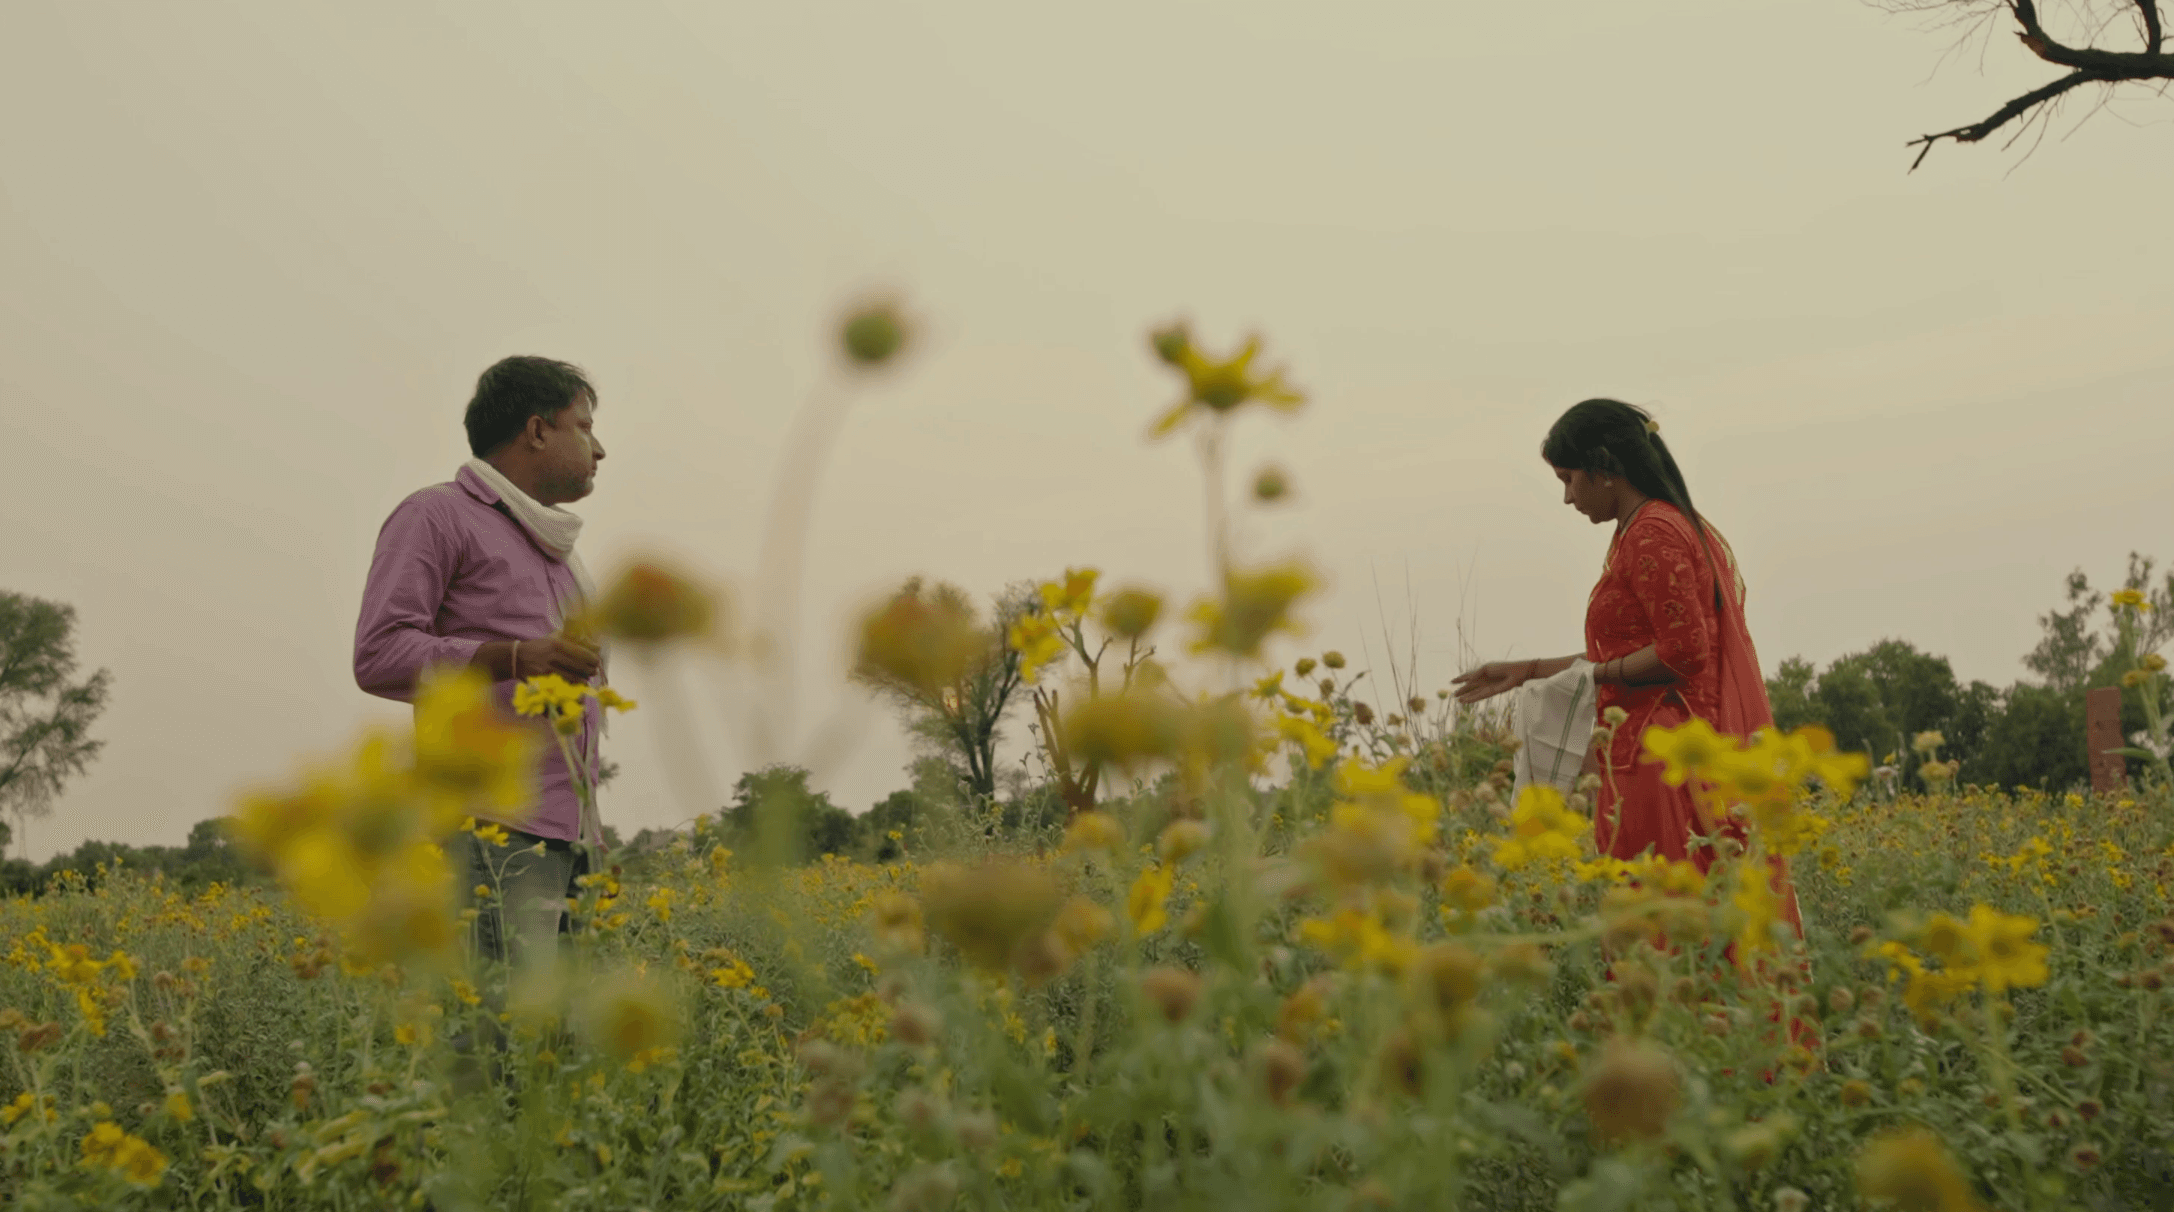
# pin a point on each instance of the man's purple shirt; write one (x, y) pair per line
(453, 570)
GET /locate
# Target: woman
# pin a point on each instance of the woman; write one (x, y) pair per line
(1664, 630)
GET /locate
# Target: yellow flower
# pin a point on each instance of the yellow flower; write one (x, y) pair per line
(1911, 1169)
(178, 1106)
(1361, 940)
(2006, 956)
(651, 603)
(23, 1105)
(547, 694)
(1216, 387)
(140, 1164)
(1093, 830)
(1131, 613)
(491, 832)
(1755, 900)
(1467, 890)
(1081, 924)
(628, 1015)
(2153, 662)
(2129, 599)
(660, 903)
(467, 751)
(1145, 903)
(923, 640)
(1034, 636)
(1073, 595)
(1314, 743)
(1688, 750)
(102, 1143)
(1541, 828)
(1927, 742)
(607, 697)
(989, 912)
(1254, 605)
(1124, 729)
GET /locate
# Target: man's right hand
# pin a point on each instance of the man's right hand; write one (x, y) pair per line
(570, 659)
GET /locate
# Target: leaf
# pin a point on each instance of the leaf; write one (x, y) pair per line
(2132, 752)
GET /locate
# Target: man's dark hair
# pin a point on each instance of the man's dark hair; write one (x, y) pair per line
(515, 389)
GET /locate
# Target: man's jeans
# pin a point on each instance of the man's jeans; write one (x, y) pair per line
(522, 920)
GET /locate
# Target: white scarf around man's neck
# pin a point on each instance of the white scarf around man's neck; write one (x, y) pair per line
(553, 528)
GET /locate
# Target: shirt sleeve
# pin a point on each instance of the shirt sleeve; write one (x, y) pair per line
(1675, 589)
(409, 576)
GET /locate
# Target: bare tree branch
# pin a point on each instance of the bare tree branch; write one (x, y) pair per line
(2087, 64)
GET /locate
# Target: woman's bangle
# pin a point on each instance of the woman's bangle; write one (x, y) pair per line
(514, 661)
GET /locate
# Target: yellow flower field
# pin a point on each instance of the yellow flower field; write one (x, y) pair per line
(1286, 950)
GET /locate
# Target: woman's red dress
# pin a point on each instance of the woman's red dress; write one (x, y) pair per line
(1658, 587)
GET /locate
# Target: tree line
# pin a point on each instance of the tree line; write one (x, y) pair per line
(2029, 733)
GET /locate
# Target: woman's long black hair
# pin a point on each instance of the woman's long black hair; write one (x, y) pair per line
(1610, 437)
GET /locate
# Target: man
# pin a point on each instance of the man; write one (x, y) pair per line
(481, 571)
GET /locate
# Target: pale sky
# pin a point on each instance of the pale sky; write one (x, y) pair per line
(253, 255)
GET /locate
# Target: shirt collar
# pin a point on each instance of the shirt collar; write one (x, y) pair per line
(468, 479)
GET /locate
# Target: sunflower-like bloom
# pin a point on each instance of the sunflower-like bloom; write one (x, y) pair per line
(1034, 636)
(1541, 828)
(470, 754)
(1147, 902)
(991, 911)
(1311, 741)
(652, 603)
(1684, 751)
(1757, 906)
(922, 641)
(1092, 830)
(2006, 956)
(2129, 599)
(1255, 604)
(1216, 388)
(1124, 729)
(1071, 597)
(1913, 1171)
(628, 1016)
(1361, 939)
(1131, 613)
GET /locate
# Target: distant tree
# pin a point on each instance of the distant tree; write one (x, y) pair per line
(1873, 701)
(2089, 40)
(899, 812)
(2070, 647)
(775, 811)
(1790, 692)
(2035, 741)
(1878, 700)
(959, 717)
(45, 717)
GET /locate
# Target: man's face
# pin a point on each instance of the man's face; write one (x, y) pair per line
(567, 464)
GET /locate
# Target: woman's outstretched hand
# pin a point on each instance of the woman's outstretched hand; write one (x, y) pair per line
(1491, 679)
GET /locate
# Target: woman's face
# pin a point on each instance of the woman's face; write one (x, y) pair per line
(1584, 492)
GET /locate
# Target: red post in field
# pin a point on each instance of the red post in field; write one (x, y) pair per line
(2101, 732)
